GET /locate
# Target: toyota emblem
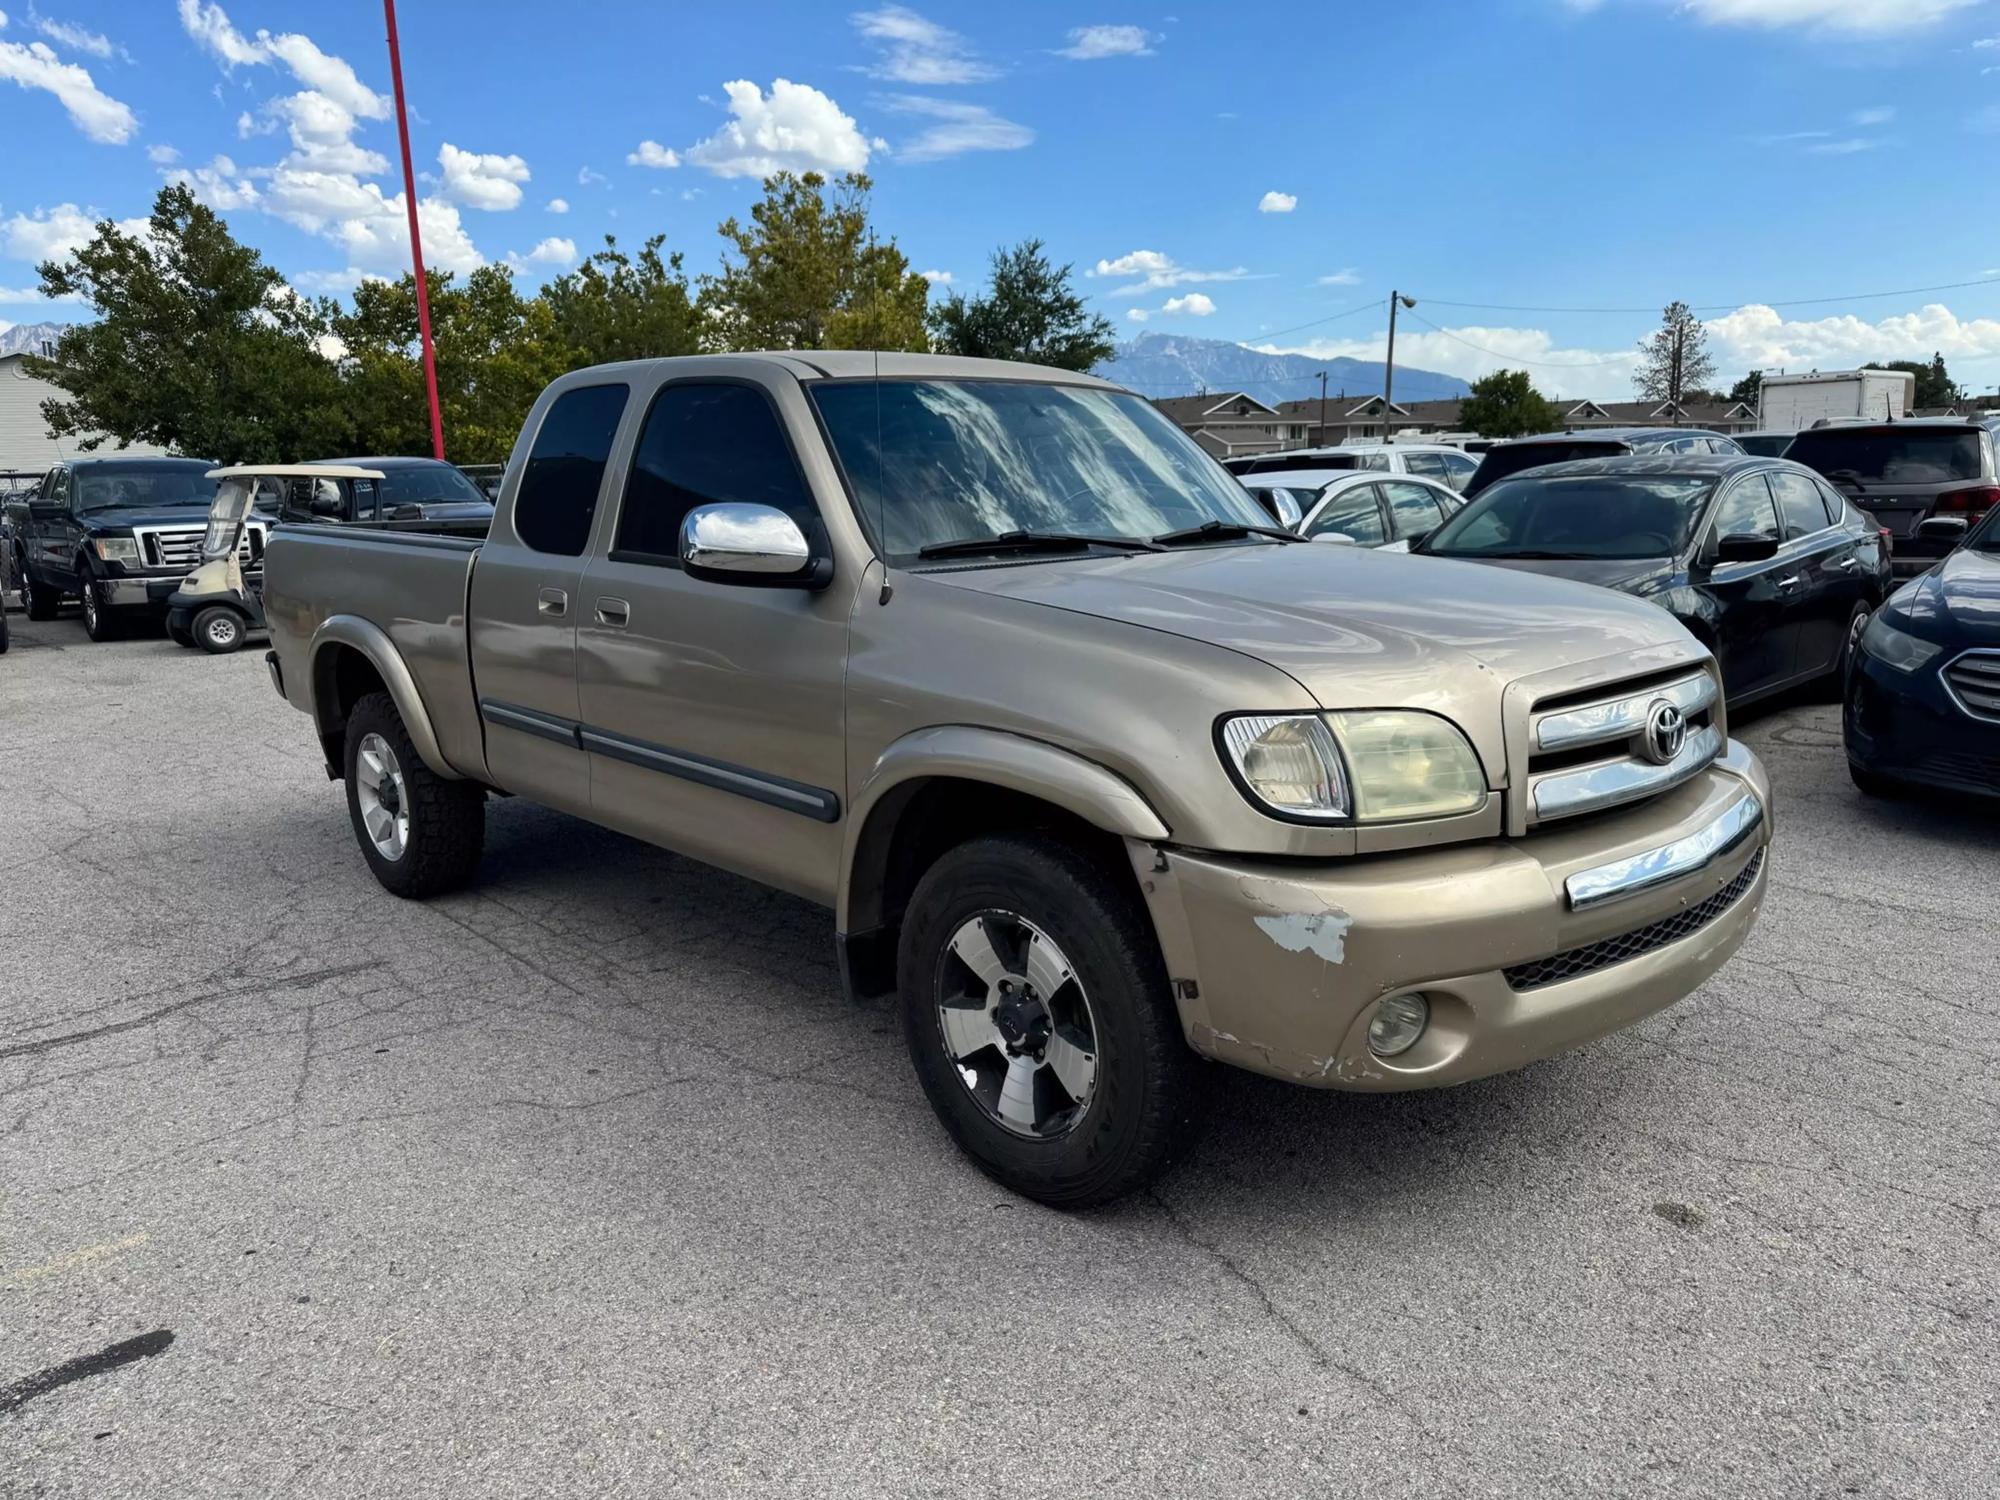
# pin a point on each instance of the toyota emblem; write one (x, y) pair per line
(1666, 732)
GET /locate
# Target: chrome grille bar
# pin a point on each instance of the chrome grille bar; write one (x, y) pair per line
(1569, 794)
(1621, 718)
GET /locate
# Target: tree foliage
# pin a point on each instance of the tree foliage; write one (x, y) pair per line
(1749, 390)
(1029, 312)
(1935, 387)
(1505, 404)
(1674, 362)
(810, 273)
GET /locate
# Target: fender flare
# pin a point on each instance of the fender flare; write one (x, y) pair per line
(372, 642)
(996, 757)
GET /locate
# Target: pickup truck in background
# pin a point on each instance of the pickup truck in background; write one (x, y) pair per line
(1097, 772)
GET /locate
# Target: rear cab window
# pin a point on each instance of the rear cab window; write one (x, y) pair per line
(557, 499)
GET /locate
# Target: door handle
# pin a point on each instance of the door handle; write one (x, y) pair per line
(1848, 564)
(616, 613)
(1789, 583)
(552, 602)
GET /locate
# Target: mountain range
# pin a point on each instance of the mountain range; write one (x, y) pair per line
(1163, 364)
(28, 338)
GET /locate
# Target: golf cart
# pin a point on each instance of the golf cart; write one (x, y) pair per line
(222, 600)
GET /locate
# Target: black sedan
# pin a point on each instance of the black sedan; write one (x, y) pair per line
(1761, 559)
(1923, 697)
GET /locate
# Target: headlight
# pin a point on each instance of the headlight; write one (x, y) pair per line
(1372, 766)
(1289, 763)
(1893, 647)
(1408, 765)
(116, 548)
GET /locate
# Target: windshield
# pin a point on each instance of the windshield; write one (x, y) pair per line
(1764, 444)
(1286, 461)
(1514, 457)
(934, 461)
(1582, 515)
(143, 488)
(427, 484)
(1890, 455)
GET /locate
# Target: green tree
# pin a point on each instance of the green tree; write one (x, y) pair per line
(1505, 404)
(810, 273)
(1935, 387)
(1749, 390)
(1674, 362)
(615, 307)
(198, 346)
(1029, 313)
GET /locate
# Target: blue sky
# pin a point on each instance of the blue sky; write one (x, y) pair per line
(1220, 171)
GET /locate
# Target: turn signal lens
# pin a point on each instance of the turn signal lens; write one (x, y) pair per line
(1289, 763)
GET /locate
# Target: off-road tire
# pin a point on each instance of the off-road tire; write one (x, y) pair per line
(1145, 1106)
(447, 818)
(207, 622)
(43, 601)
(99, 622)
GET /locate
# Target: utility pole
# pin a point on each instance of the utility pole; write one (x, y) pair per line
(1322, 408)
(1674, 376)
(1389, 365)
(416, 239)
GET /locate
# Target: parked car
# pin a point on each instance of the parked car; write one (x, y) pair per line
(1370, 510)
(1285, 505)
(1923, 698)
(410, 490)
(1442, 462)
(1907, 473)
(119, 534)
(994, 662)
(486, 476)
(1764, 444)
(1762, 560)
(1518, 454)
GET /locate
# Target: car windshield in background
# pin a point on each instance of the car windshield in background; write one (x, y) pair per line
(143, 489)
(1896, 454)
(934, 461)
(1500, 462)
(426, 485)
(1286, 461)
(1764, 444)
(1582, 515)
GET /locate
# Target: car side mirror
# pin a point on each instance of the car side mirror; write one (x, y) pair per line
(408, 511)
(1944, 528)
(1743, 547)
(325, 505)
(44, 510)
(754, 545)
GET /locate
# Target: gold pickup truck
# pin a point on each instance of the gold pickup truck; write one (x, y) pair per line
(1098, 773)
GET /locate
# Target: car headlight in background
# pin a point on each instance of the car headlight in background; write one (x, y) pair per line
(124, 549)
(1893, 647)
(1372, 765)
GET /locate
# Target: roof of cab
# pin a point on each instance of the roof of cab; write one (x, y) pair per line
(862, 364)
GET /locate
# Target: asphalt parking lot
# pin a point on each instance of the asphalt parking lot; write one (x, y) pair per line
(587, 1181)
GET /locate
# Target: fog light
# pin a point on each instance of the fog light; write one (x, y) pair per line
(1397, 1023)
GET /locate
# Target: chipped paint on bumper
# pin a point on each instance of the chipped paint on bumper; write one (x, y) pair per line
(1277, 966)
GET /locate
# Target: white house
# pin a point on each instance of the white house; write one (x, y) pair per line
(26, 444)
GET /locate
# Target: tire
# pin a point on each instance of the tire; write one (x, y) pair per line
(179, 637)
(3, 632)
(1873, 783)
(98, 622)
(42, 600)
(218, 630)
(437, 826)
(1142, 1103)
(1832, 688)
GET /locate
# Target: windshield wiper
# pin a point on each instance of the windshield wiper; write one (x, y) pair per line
(1033, 541)
(1852, 476)
(1216, 531)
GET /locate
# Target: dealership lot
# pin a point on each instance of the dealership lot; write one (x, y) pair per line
(589, 1178)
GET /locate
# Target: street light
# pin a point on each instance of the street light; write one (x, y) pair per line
(1389, 365)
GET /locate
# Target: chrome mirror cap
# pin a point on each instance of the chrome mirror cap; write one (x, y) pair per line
(752, 539)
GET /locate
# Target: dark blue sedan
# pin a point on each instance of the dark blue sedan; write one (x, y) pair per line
(1923, 694)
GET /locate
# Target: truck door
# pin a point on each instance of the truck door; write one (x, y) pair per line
(525, 598)
(714, 712)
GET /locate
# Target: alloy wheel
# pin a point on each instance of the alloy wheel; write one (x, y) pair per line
(379, 790)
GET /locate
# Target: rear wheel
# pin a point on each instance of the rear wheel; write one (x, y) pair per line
(1833, 686)
(218, 630)
(421, 833)
(1037, 1014)
(98, 622)
(42, 600)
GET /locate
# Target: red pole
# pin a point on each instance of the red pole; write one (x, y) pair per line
(416, 239)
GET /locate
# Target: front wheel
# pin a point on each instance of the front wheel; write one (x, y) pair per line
(97, 620)
(218, 630)
(1872, 783)
(1037, 1013)
(421, 833)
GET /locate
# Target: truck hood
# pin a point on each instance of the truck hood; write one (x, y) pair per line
(1628, 575)
(125, 517)
(1357, 628)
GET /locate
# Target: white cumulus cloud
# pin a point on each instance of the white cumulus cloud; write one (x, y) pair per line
(1156, 270)
(1863, 17)
(794, 128)
(35, 66)
(162, 155)
(1472, 351)
(221, 185)
(558, 205)
(1277, 203)
(1194, 304)
(553, 251)
(69, 34)
(936, 278)
(916, 49)
(955, 129)
(1088, 43)
(477, 180)
(652, 154)
(1756, 337)
(1137, 314)
(51, 234)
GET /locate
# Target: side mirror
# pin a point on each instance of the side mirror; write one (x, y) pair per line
(325, 505)
(1741, 547)
(750, 544)
(408, 511)
(1944, 528)
(44, 510)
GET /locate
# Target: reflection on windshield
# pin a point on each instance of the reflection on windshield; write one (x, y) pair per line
(942, 460)
(1889, 455)
(426, 484)
(1587, 515)
(143, 488)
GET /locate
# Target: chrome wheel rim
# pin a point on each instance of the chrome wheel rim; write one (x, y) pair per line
(90, 604)
(379, 790)
(222, 631)
(1016, 1025)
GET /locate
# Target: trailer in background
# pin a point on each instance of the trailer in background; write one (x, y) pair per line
(1792, 403)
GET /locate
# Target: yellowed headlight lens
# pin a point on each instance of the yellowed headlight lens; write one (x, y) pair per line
(1408, 765)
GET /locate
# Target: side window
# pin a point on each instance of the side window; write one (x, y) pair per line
(364, 499)
(1413, 510)
(1374, 461)
(558, 495)
(1356, 513)
(1745, 509)
(706, 445)
(1799, 503)
(1457, 468)
(1427, 465)
(59, 487)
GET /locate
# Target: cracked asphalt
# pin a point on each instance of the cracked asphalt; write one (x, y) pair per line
(587, 1181)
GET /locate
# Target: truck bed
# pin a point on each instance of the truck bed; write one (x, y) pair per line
(411, 585)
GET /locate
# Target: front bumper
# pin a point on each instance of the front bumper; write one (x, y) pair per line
(1906, 727)
(1278, 966)
(137, 591)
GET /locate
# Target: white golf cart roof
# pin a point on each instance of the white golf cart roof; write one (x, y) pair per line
(293, 471)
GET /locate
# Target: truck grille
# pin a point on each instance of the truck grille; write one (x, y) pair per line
(1575, 962)
(1604, 750)
(1973, 680)
(179, 547)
